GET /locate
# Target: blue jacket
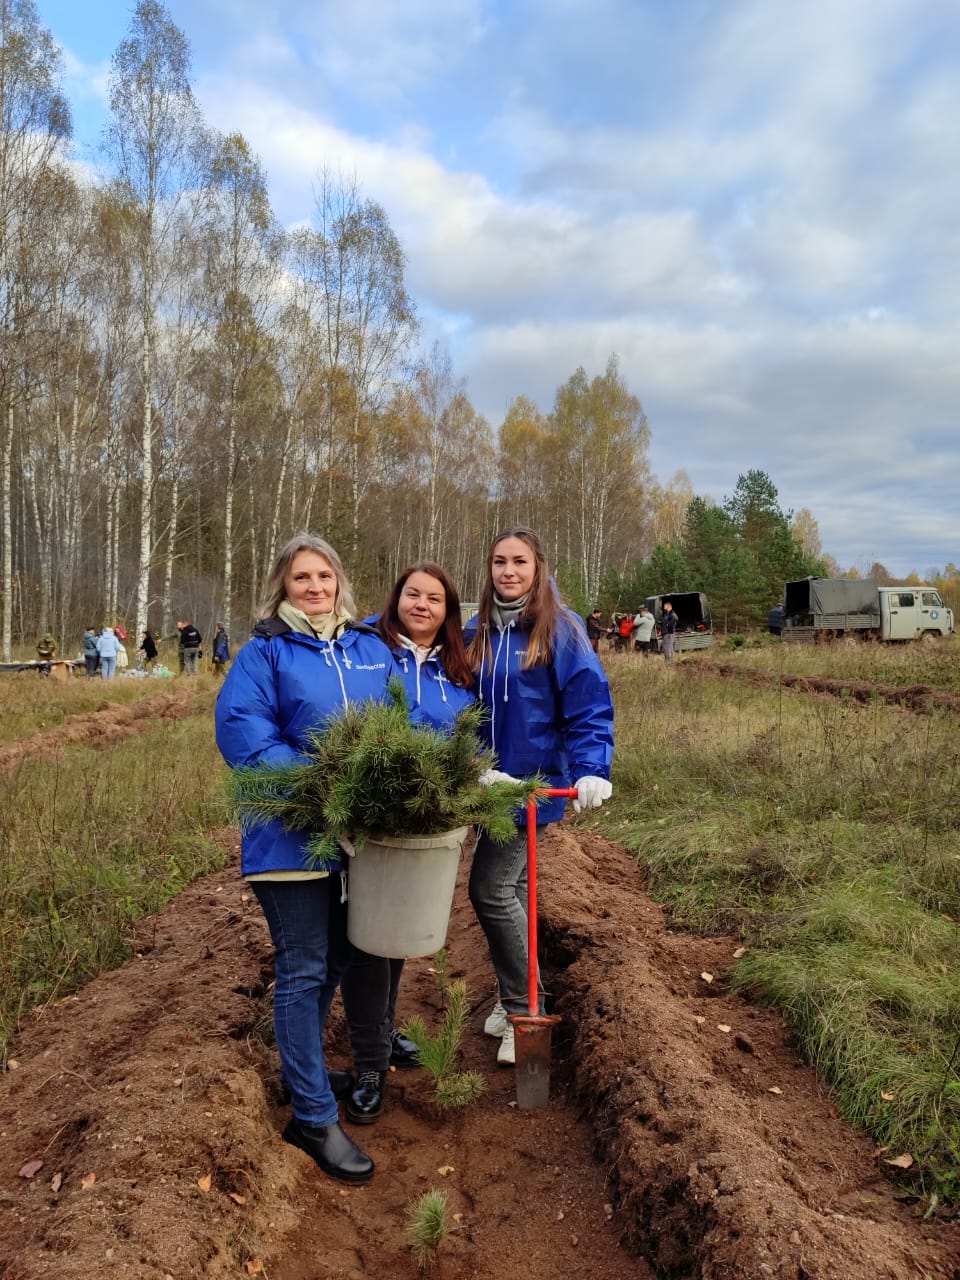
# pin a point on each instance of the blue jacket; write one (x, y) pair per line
(281, 685)
(555, 718)
(432, 699)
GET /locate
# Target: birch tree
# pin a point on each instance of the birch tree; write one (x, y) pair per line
(154, 139)
(34, 123)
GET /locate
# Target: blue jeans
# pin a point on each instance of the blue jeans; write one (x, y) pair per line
(498, 891)
(308, 926)
(108, 666)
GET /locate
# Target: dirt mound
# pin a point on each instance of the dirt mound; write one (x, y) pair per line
(109, 724)
(662, 1142)
(922, 698)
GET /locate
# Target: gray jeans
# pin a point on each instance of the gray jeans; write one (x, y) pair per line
(190, 657)
(498, 891)
(667, 641)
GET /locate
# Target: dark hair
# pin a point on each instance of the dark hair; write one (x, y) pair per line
(275, 592)
(541, 613)
(453, 655)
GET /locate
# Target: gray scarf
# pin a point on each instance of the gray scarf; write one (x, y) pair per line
(506, 611)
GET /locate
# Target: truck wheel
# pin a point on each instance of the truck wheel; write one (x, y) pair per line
(929, 637)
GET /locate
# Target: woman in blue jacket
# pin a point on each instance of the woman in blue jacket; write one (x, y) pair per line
(421, 625)
(306, 660)
(550, 712)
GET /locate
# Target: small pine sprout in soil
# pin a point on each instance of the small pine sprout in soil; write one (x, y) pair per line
(428, 1225)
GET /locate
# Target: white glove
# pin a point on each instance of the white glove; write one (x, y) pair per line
(591, 793)
(346, 844)
(490, 776)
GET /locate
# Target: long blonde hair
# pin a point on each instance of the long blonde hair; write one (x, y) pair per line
(541, 613)
(275, 591)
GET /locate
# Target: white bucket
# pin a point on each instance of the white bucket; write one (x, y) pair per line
(400, 892)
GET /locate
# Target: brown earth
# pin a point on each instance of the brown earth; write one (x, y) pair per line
(683, 1137)
(111, 723)
(922, 698)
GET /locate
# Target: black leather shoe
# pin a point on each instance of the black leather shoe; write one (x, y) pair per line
(341, 1082)
(403, 1052)
(365, 1103)
(332, 1149)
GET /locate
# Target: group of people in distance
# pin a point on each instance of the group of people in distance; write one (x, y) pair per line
(528, 660)
(641, 628)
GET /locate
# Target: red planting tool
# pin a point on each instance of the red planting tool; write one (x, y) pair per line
(532, 1031)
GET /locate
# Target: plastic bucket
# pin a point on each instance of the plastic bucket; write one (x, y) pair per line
(400, 892)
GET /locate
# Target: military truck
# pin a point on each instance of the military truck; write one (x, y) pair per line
(817, 609)
(694, 624)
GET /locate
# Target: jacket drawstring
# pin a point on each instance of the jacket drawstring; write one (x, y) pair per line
(493, 688)
(330, 652)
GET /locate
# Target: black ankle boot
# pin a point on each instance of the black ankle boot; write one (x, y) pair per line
(403, 1052)
(365, 1103)
(335, 1152)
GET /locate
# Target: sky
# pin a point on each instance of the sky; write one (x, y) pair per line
(753, 204)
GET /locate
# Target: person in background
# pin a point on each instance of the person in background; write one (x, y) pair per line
(190, 642)
(643, 623)
(91, 658)
(550, 712)
(596, 629)
(668, 630)
(221, 650)
(148, 647)
(307, 660)
(108, 648)
(420, 623)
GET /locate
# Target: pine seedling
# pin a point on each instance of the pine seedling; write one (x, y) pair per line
(438, 1054)
(428, 1225)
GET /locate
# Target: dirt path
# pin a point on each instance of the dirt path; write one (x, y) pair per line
(111, 723)
(663, 1152)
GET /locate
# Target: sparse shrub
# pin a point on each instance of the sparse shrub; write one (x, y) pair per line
(438, 1054)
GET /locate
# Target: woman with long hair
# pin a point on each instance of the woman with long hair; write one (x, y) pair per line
(421, 624)
(307, 660)
(550, 712)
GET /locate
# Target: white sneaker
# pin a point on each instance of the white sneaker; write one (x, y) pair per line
(496, 1024)
(507, 1053)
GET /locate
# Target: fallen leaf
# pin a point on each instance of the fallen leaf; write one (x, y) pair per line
(887, 1097)
(722, 1026)
(740, 951)
(204, 1182)
(458, 1217)
(698, 1020)
(31, 1168)
(235, 1195)
(901, 1162)
(254, 1267)
(13, 1064)
(56, 1182)
(445, 1169)
(707, 977)
(774, 1089)
(88, 1180)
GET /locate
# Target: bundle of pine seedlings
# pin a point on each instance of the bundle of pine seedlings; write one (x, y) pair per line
(369, 770)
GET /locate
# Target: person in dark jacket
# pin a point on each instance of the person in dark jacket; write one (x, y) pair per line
(420, 623)
(91, 658)
(190, 650)
(221, 650)
(148, 647)
(307, 659)
(550, 713)
(668, 630)
(596, 629)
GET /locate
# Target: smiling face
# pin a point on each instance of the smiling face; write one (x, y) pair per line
(310, 584)
(422, 608)
(513, 568)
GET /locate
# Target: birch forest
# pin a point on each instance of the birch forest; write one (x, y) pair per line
(183, 383)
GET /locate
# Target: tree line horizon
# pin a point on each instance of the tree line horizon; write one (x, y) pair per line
(184, 384)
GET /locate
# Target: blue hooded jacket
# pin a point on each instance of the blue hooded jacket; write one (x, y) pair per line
(554, 718)
(281, 685)
(432, 699)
